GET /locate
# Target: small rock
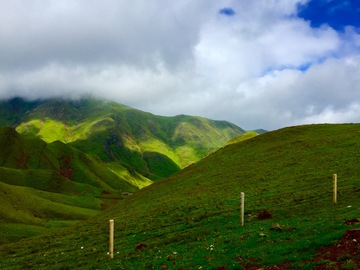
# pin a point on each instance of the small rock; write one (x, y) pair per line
(276, 227)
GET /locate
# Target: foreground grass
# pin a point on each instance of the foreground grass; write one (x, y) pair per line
(191, 220)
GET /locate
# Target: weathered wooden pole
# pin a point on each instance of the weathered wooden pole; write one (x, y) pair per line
(242, 208)
(335, 187)
(111, 239)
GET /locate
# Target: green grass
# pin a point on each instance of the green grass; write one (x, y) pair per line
(45, 185)
(159, 165)
(34, 163)
(48, 130)
(135, 179)
(191, 219)
(243, 137)
(159, 147)
(26, 212)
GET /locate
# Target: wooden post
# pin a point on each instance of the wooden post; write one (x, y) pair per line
(111, 239)
(242, 207)
(335, 187)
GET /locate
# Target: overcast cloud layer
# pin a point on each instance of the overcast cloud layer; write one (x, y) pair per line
(254, 63)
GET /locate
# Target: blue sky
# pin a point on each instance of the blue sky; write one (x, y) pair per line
(338, 14)
(227, 12)
(259, 64)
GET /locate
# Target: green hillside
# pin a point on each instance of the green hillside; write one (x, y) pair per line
(45, 186)
(93, 150)
(243, 137)
(30, 154)
(191, 219)
(117, 133)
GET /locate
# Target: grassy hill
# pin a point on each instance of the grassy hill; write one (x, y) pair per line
(77, 157)
(116, 133)
(26, 155)
(243, 137)
(45, 186)
(190, 220)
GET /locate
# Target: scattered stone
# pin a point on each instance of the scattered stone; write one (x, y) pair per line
(276, 227)
(251, 217)
(354, 221)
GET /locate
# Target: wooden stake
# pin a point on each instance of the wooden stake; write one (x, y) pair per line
(111, 239)
(335, 187)
(242, 207)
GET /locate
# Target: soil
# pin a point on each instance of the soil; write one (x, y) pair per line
(342, 255)
(345, 254)
(264, 215)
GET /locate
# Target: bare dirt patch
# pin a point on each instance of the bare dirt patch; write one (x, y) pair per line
(342, 255)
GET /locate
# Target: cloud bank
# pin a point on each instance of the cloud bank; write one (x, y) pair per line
(255, 63)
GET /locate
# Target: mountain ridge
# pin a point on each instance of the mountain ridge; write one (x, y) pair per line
(106, 129)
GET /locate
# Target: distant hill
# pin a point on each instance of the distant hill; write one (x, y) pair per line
(260, 131)
(243, 137)
(154, 146)
(190, 220)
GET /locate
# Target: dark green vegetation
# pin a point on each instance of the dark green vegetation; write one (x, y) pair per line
(191, 219)
(63, 161)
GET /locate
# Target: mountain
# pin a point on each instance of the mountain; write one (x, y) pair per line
(154, 146)
(260, 131)
(190, 220)
(62, 161)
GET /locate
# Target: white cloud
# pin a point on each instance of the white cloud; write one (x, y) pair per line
(183, 57)
(82, 32)
(348, 114)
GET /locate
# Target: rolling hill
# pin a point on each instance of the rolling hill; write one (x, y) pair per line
(63, 161)
(50, 185)
(190, 220)
(154, 146)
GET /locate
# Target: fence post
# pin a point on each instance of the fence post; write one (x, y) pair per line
(111, 239)
(242, 208)
(335, 187)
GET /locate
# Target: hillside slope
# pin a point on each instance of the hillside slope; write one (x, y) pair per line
(49, 185)
(191, 219)
(154, 146)
(243, 137)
